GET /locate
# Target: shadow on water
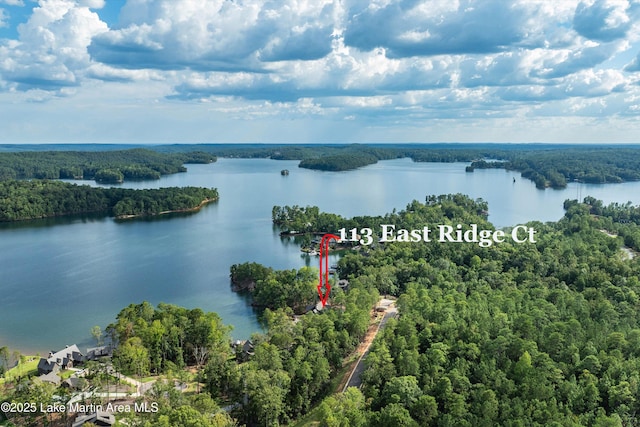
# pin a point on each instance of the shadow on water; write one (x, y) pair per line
(56, 221)
(157, 218)
(95, 217)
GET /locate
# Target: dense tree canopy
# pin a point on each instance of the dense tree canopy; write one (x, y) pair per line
(154, 339)
(277, 289)
(103, 166)
(341, 162)
(24, 200)
(508, 335)
(515, 334)
(555, 167)
(548, 165)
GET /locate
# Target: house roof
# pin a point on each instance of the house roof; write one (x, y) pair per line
(69, 353)
(72, 382)
(51, 377)
(99, 418)
(247, 347)
(45, 365)
(95, 352)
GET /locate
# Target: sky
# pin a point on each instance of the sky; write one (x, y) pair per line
(303, 71)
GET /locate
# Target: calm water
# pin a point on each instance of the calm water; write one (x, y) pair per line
(61, 277)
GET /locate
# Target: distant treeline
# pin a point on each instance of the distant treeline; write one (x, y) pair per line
(103, 166)
(24, 200)
(554, 168)
(548, 165)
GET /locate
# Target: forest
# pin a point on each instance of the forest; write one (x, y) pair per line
(554, 168)
(276, 289)
(26, 200)
(101, 166)
(544, 334)
(547, 165)
(537, 334)
(340, 162)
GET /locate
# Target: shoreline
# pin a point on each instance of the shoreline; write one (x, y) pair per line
(186, 210)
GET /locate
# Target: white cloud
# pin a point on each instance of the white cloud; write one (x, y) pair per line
(418, 29)
(92, 4)
(604, 20)
(217, 35)
(106, 73)
(52, 49)
(12, 2)
(383, 62)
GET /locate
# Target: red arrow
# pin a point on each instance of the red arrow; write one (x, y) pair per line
(324, 256)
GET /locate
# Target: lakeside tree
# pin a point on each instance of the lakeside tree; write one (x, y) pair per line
(167, 336)
(4, 359)
(109, 176)
(96, 333)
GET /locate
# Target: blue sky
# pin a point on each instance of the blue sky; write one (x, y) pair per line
(164, 71)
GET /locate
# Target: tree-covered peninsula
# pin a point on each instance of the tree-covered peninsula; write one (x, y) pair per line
(101, 166)
(25, 200)
(558, 166)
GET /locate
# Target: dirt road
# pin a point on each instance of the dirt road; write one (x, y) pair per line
(354, 378)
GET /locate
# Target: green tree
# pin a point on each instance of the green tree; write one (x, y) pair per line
(4, 359)
(132, 357)
(266, 393)
(395, 415)
(96, 333)
(402, 390)
(347, 409)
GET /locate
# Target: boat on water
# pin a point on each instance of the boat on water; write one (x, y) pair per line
(284, 172)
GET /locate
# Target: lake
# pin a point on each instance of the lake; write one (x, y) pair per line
(60, 277)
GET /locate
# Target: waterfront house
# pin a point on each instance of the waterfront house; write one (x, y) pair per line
(63, 359)
(244, 349)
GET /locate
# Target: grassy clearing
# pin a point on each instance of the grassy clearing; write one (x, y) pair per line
(66, 374)
(30, 367)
